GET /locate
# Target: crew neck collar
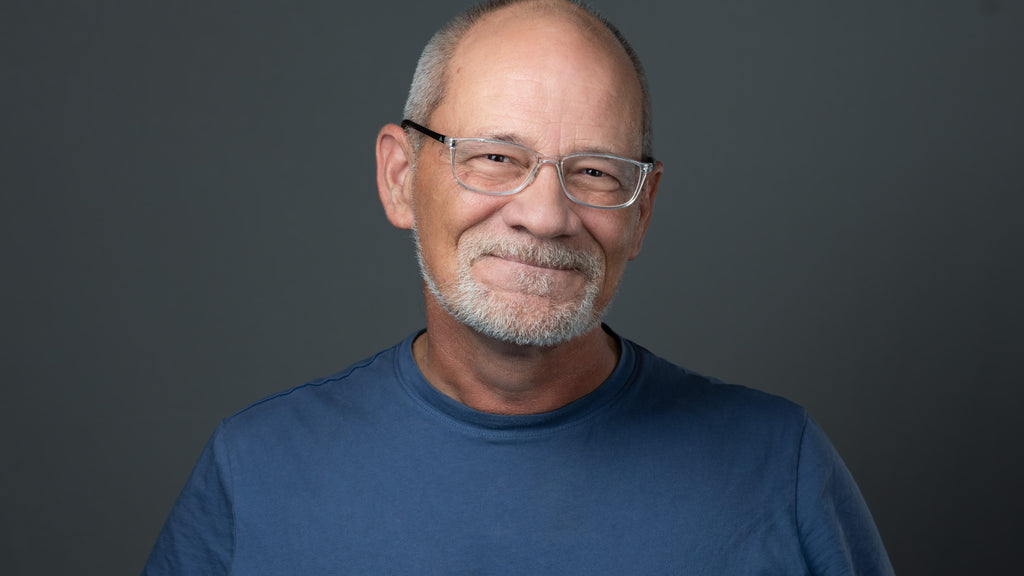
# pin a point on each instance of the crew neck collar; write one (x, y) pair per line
(462, 416)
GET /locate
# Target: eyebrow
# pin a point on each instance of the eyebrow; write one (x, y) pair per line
(505, 137)
(517, 140)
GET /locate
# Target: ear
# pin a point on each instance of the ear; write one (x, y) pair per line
(394, 175)
(645, 206)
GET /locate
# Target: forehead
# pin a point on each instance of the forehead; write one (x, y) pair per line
(555, 81)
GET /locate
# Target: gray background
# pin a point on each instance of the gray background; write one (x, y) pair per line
(190, 222)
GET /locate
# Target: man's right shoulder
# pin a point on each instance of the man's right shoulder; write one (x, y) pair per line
(353, 388)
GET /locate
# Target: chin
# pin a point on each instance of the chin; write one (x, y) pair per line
(525, 320)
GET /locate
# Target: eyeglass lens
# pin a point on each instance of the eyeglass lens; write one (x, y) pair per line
(499, 168)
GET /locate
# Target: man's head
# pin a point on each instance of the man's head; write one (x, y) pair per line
(534, 267)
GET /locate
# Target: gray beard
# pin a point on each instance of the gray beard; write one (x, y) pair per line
(511, 320)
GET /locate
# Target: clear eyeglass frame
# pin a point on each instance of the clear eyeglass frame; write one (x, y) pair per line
(643, 168)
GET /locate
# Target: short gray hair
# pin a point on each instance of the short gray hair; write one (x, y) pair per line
(430, 81)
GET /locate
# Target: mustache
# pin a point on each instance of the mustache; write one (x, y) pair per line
(540, 254)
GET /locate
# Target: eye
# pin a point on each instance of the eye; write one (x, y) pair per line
(501, 158)
(593, 172)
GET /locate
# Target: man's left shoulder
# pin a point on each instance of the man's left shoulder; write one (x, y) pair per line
(671, 385)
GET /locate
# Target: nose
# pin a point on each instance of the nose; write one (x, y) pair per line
(542, 208)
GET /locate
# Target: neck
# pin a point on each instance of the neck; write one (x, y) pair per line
(501, 378)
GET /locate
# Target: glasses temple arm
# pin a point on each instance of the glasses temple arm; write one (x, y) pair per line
(423, 129)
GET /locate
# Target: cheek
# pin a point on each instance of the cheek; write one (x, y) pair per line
(449, 214)
(616, 237)
(443, 212)
(615, 233)
(439, 203)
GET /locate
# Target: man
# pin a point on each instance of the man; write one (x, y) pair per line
(517, 433)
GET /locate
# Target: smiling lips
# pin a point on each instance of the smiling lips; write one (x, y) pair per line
(534, 263)
(549, 255)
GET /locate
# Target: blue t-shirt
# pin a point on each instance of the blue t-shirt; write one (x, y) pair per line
(658, 471)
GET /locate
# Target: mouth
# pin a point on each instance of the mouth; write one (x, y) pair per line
(540, 256)
(533, 262)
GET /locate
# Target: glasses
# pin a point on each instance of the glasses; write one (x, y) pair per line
(500, 168)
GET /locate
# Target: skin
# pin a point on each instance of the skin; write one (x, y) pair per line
(541, 81)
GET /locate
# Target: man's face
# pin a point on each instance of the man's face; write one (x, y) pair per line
(533, 268)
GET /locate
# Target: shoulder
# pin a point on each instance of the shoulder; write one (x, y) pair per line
(666, 386)
(335, 399)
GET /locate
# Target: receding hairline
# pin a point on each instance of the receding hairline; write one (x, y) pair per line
(576, 14)
(583, 21)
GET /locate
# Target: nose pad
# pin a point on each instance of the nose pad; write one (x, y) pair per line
(558, 172)
(538, 211)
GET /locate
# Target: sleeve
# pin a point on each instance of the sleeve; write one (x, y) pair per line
(837, 532)
(198, 536)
